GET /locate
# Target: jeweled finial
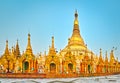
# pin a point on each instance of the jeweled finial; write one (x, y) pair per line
(76, 14)
(76, 17)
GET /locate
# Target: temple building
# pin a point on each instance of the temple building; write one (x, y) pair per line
(76, 57)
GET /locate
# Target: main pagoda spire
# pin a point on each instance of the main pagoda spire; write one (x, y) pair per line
(76, 38)
(76, 30)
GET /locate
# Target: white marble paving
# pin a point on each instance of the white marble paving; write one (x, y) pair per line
(100, 79)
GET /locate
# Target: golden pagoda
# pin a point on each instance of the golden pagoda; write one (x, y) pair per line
(75, 58)
(28, 62)
(52, 61)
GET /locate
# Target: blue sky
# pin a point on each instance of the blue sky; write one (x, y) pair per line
(99, 22)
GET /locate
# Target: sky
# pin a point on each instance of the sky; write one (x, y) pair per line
(99, 23)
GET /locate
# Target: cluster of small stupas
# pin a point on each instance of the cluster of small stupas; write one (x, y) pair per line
(74, 58)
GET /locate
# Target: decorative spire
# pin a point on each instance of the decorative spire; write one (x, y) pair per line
(13, 51)
(40, 53)
(106, 55)
(45, 53)
(52, 48)
(6, 49)
(112, 54)
(100, 58)
(52, 42)
(17, 49)
(17, 42)
(29, 44)
(100, 52)
(29, 48)
(106, 58)
(112, 59)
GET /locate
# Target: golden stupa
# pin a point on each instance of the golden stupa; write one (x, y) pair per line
(75, 58)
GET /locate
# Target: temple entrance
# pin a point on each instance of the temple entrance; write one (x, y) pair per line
(26, 66)
(88, 68)
(70, 67)
(52, 67)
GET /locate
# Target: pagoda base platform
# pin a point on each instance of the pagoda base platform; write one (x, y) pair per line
(51, 75)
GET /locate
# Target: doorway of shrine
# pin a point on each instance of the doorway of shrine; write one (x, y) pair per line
(26, 66)
(70, 68)
(52, 67)
(89, 69)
